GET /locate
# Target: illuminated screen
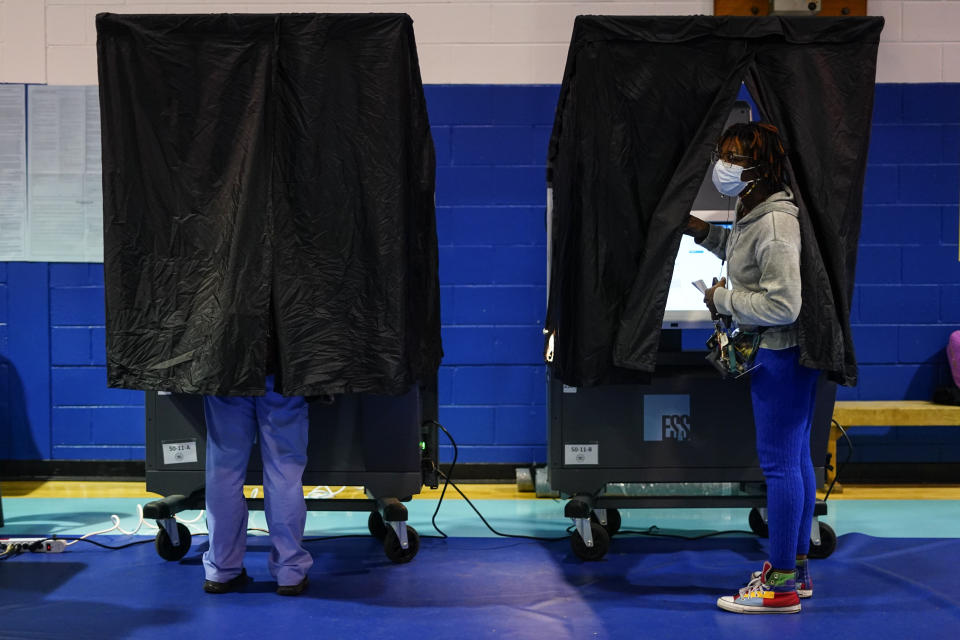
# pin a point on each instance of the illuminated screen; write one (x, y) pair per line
(685, 308)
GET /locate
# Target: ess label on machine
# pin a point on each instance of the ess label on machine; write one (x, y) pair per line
(581, 453)
(179, 452)
(666, 417)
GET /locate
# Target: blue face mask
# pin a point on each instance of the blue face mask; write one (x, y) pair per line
(726, 178)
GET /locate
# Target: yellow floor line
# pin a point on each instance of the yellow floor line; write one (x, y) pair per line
(896, 492)
(66, 489)
(107, 489)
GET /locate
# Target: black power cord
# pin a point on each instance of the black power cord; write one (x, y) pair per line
(17, 549)
(24, 547)
(339, 537)
(447, 480)
(12, 550)
(840, 466)
(488, 525)
(653, 531)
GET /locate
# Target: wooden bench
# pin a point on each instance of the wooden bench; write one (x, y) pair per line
(885, 413)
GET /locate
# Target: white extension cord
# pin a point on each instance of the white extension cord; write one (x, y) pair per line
(50, 545)
(55, 545)
(324, 493)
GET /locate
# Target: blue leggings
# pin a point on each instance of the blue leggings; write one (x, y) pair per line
(783, 394)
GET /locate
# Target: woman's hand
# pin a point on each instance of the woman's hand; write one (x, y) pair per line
(697, 228)
(708, 295)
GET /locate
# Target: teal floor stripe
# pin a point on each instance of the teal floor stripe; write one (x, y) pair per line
(880, 518)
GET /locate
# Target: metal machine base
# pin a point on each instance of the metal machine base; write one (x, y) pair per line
(388, 445)
(596, 519)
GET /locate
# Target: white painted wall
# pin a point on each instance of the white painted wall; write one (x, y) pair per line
(460, 41)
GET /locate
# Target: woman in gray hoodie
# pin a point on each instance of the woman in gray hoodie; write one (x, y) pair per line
(763, 255)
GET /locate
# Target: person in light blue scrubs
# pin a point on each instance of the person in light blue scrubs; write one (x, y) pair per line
(280, 424)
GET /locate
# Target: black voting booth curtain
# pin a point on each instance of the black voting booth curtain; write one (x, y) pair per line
(643, 102)
(267, 179)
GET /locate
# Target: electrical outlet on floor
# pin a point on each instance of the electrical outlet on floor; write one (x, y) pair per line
(35, 545)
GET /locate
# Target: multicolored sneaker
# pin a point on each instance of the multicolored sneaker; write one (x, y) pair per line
(773, 592)
(804, 581)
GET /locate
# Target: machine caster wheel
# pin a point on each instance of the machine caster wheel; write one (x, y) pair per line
(165, 548)
(828, 542)
(601, 543)
(614, 521)
(376, 526)
(396, 553)
(757, 525)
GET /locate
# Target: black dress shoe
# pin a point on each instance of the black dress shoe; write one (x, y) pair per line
(233, 584)
(293, 589)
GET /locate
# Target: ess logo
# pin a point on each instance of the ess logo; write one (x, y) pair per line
(676, 427)
(666, 417)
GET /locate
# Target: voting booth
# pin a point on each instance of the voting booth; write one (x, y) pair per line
(269, 211)
(636, 416)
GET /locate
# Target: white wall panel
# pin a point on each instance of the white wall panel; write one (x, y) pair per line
(892, 12)
(66, 24)
(461, 41)
(54, 3)
(909, 62)
(450, 23)
(547, 63)
(534, 22)
(72, 65)
(951, 63)
(24, 41)
(931, 21)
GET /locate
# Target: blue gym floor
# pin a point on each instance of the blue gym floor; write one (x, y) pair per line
(893, 575)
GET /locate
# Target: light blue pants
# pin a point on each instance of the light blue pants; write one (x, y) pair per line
(232, 425)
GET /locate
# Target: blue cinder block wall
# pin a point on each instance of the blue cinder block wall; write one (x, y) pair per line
(491, 144)
(907, 296)
(491, 192)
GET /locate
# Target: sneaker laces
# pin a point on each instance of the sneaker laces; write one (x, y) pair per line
(755, 589)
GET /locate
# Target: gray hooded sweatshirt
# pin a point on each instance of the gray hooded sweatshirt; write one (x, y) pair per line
(763, 273)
